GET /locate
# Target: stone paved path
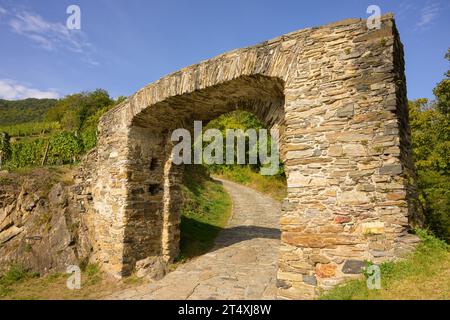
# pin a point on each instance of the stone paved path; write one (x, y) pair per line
(242, 265)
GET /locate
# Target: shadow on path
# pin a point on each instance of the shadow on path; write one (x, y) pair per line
(228, 237)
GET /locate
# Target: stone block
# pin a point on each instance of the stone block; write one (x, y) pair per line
(372, 228)
(326, 270)
(353, 266)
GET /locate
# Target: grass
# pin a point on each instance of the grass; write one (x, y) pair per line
(14, 275)
(273, 186)
(423, 275)
(206, 210)
(39, 180)
(18, 284)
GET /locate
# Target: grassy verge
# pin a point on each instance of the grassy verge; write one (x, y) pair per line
(18, 284)
(273, 186)
(206, 210)
(423, 275)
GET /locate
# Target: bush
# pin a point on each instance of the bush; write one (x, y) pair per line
(27, 153)
(64, 148)
(430, 127)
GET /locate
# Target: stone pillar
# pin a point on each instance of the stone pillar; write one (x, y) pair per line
(347, 158)
(170, 240)
(110, 192)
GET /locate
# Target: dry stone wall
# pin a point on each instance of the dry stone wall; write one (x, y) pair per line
(337, 93)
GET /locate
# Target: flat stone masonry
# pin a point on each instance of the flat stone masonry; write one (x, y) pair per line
(338, 95)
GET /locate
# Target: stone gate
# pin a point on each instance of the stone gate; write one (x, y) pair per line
(338, 95)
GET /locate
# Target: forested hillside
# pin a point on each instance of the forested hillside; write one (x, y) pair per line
(28, 110)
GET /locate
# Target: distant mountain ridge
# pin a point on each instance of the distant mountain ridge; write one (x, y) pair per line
(21, 111)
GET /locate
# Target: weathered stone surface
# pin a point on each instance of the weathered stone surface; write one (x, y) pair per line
(353, 198)
(317, 258)
(41, 229)
(153, 268)
(326, 270)
(353, 266)
(311, 280)
(9, 233)
(373, 228)
(342, 219)
(346, 111)
(391, 169)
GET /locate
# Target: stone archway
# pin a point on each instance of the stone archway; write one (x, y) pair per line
(338, 94)
(154, 181)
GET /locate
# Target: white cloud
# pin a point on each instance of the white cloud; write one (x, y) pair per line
(12, 90)
(428, 14)
(50, 36)
(3, 12)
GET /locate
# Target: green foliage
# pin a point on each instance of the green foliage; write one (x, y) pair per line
(69, 131)
(206, 209)
(430, 127)
(64, 148)
(431, 150)
(274, 186)
(16, 273)
(431, 136)
(442, 91)
(237, 120)
(5, 148)
(21, 111)
(93, 274)
(73, 111)
(27, 153)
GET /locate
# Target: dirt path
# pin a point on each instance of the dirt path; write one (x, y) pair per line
(242, 265)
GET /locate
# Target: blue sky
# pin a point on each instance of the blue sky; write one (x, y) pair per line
(124, 45)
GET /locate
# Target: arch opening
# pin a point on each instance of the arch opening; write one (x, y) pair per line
(154, 181)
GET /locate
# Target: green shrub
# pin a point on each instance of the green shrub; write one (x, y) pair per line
(16, 273)
(27, 153)
(64, 148)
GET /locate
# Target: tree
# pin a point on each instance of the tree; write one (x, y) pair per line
(430, 127)
(447, 56)
(442, 91)
(74, 110)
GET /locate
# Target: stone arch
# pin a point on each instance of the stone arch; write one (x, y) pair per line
(153, 202)
(338, 92)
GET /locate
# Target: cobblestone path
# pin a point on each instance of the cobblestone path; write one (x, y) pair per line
(242, 265)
